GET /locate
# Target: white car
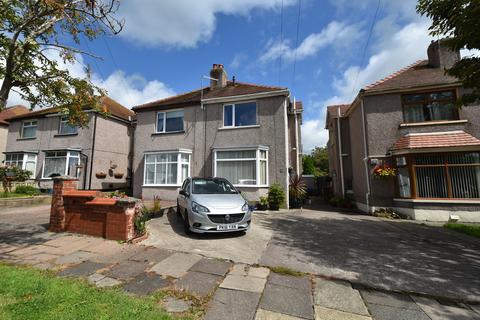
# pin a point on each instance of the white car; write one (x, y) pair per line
(212, 205)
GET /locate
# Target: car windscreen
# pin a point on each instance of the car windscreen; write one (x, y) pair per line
(206, 186)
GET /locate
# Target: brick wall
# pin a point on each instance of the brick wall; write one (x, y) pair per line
(86, 212)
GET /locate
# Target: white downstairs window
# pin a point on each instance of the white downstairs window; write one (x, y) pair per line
(61, 163)
(26, 161)
(242, 167)
(166, 168)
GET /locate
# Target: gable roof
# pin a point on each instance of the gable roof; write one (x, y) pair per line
(193, 97)
(11, 112)
(418, 74)
(332, 111)
(109, 105)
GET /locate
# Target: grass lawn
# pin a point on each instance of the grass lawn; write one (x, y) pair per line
(13, 195)
(26, 293)
(470, 229)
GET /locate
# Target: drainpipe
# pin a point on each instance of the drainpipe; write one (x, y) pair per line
(365, 160)
(93, 151)
(297, 159)
(342, 182)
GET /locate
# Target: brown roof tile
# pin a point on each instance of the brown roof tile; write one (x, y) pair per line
(333, 109)
(192, 97)
(435, 140)
(110, 105)
(11, 112)
(417, 74)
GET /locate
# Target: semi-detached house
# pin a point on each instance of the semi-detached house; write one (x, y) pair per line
(249, 134)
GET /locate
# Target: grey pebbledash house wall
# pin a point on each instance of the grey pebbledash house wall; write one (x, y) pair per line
(105, 142)
(204, 133)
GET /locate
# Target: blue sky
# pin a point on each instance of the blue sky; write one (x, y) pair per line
(168, 45)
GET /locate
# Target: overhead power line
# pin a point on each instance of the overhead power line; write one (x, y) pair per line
(281, 44)
(296, 43)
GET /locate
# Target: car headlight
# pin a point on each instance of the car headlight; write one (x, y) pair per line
(199, 208)
(245, 207)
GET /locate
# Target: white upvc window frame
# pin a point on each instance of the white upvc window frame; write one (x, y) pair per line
(67, 156)
(29, 124)
(233, 105)
(165, 121)
(24, 161)
(64, 119)
(179, 162)
(257, 160)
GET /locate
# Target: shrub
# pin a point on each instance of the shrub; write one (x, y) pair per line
(276, 196)
(8, 174)
(142, 216)
(28, 190)
(156, 204)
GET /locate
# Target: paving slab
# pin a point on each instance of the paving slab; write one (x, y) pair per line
(31, 250)
(176, 265)
(117, 253)
(339, 295)
(74, 258)
(437, 311)
(382, 312)
(107, 282)
(151, 254)
(94, 278)
(198, 283)
(212, 266)
(475, 307)
(322, 313)
(107, 247)
(145, 284)
(126, 270)
(300, 283)
(395, 300)
(243, 283)
(287, 300)
(83, 269)
(232, 305)
(269, 315)
(174, 305)
(42, 257)
(246, 270)
(69, 244)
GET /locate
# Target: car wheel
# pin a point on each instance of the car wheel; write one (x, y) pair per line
(178, 210)
(186, 225)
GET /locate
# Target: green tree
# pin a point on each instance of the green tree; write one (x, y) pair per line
(31, 30)
(458, 21)
(308, 164)
(8, 174)
(320, 156)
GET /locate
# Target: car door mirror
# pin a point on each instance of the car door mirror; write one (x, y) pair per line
(184, 193)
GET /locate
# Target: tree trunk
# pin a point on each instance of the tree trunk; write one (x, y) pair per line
(5, 91)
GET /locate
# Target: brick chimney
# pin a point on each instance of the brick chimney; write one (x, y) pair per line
(218, 72)
(440, 56)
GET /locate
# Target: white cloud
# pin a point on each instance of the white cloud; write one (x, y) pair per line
(183, 23)
(129, 90)
(313, 135)
(238, 60)
(336, 33)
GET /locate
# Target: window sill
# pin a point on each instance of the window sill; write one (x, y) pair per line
(167, 133)
(453, 201)
(240, 127)
(432, 123)
(59, 135)
(33, 138)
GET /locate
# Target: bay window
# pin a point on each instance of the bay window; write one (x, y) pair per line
(433, 106)
(242, 167)
(61, 163)
(170, 121)
(439, 176)
(25, 161)
(240, 114)
(66, 128)
(29, 129)
(166, 168)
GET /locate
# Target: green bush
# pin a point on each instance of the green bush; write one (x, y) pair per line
(276, 196)
(27, 190)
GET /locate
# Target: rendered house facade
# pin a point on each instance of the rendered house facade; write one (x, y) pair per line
(44, 143)
(409, 121)
(5, 115)
(246, 133)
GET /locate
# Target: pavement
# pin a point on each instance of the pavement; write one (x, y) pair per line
(229, 289)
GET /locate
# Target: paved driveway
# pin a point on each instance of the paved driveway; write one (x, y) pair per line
(393, 255)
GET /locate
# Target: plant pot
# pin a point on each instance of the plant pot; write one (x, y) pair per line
(118, 175)
(262, 207)
(274, 206)
(101, 175)
(295, 203)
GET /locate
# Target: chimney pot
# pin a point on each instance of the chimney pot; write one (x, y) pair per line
(219, 76)
(440, 56)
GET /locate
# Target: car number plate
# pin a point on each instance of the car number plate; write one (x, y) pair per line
(227, 227)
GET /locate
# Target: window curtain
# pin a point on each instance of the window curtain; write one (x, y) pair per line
(414, 113)
(54, 166)
(441, 111)
(237, 172)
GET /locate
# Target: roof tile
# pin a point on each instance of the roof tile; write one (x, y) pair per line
(435, 140)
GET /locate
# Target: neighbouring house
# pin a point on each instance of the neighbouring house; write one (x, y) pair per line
(409, 121)
(98, 154)
(247, 133)
(6, 114)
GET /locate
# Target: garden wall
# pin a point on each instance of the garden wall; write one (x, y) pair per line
(87, 212)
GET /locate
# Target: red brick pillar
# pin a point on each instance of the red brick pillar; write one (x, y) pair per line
(57, 211)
